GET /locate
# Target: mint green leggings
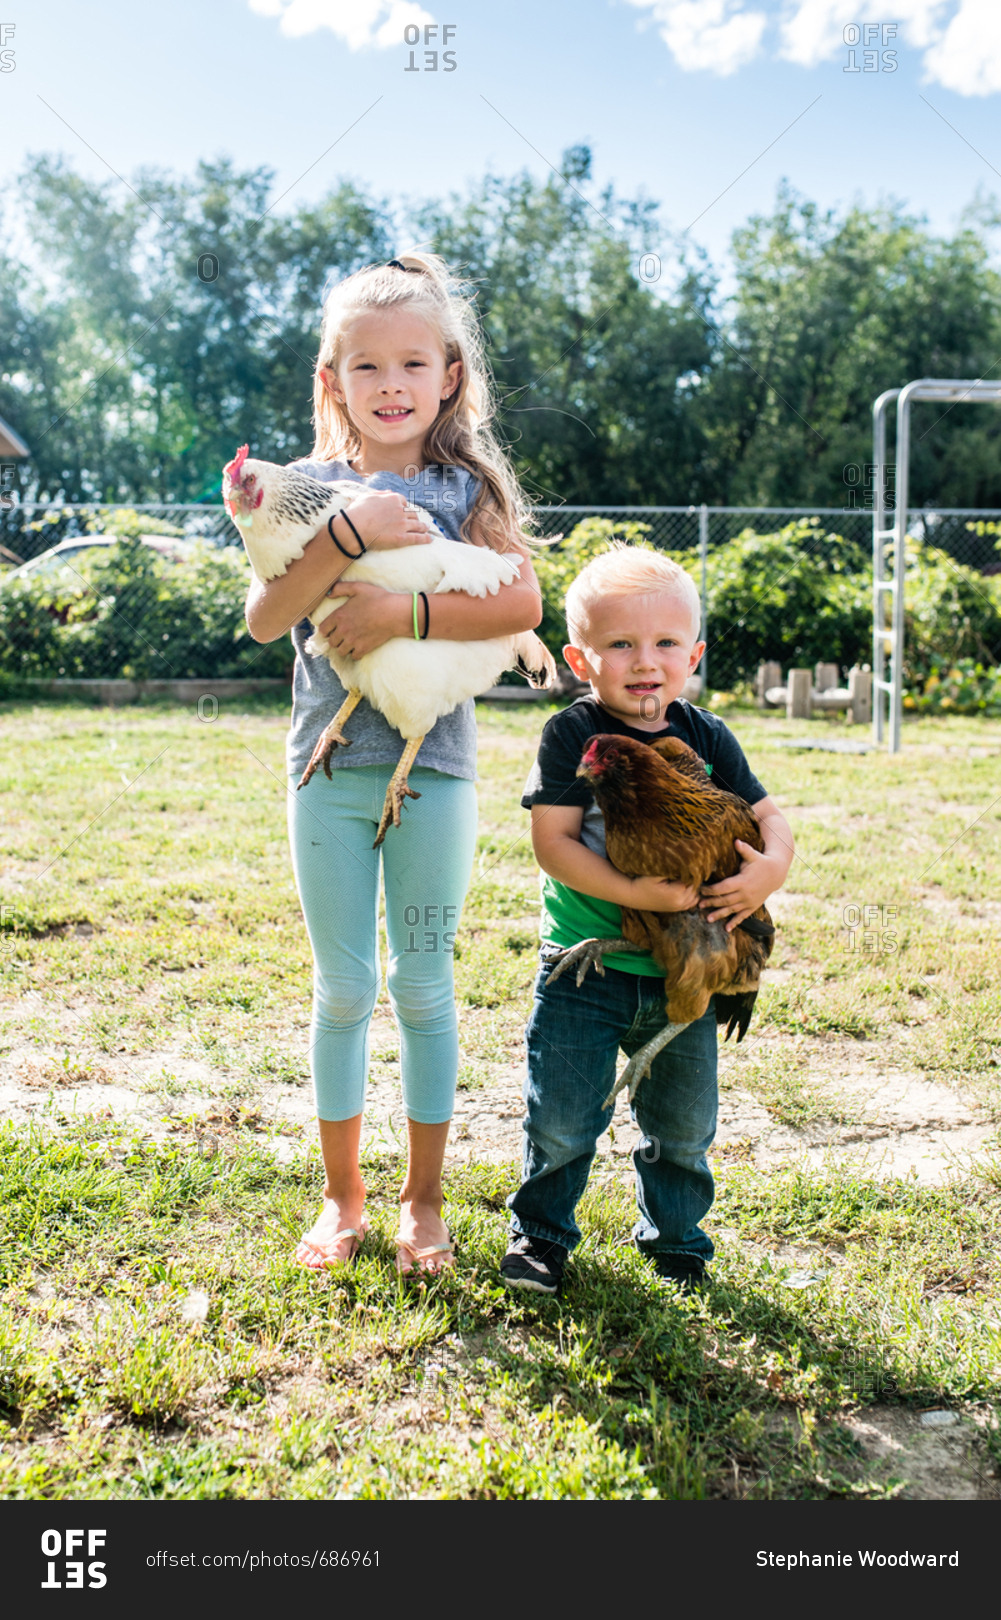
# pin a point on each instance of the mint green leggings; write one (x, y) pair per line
(426, 864)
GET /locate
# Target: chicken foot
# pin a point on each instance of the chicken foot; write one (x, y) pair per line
(587, 954)
(398, 790)
(640, 1063)
(333, 737)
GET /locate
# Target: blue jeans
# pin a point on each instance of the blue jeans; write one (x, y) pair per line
(573, 1038)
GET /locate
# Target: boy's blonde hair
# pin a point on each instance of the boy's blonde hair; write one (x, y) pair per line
(626, 570)
(461, 434)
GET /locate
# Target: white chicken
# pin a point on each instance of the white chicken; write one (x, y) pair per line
(412, 683)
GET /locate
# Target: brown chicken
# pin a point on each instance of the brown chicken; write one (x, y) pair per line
(665, 818)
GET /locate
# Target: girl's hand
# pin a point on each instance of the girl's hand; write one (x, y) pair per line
(660, 894)
(385, 521)
(736, 897)
(370, 617)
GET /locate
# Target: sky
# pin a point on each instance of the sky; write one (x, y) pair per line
(703, 105)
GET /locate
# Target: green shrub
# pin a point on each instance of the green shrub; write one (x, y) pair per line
(130, 613)
(798, 595)
(801, 595)
(952, 614)
(29, 634)
(962, 688)
(559, 565)
(128, 524)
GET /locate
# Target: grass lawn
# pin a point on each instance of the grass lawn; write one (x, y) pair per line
(155, 1337)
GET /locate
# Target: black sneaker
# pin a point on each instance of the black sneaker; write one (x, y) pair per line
(687, 1271)
(533, 1263)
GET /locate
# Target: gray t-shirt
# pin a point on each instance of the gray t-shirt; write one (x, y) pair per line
(447, 493)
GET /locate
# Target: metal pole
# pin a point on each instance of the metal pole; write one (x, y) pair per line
(880, 584)
(879, 461)
(901, 495)
(704, 559)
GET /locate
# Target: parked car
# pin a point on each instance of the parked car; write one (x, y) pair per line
(78, 546)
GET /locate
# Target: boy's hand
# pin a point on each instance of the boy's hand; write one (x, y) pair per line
(660, 894)
(736, 897)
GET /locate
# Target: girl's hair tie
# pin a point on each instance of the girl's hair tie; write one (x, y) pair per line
(396, 265)
(354, 555)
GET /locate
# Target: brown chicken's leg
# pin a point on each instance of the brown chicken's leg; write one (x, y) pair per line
(398, 790)
(587, 954)
(332, 738)
(639, 1064)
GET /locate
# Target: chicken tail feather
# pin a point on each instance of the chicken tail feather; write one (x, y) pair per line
(735, 1012)
(758, 928)
(533, 660)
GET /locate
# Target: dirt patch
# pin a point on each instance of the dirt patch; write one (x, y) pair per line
(938, 1456)
(901, 1123)
(960, 911)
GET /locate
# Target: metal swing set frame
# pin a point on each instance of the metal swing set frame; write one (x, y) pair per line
(887, 587)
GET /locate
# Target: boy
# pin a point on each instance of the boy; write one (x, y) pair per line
(633, 623)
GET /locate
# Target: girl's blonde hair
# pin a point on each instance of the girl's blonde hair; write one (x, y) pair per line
(626, 570)
(461, 434)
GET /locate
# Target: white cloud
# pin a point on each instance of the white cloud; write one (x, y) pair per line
(960, 39)
(718, 35)
(813, 31)
(968, 57)
(357, 22)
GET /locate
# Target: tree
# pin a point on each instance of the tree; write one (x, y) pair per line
(828, 312)
(170, 326)
(590, 363)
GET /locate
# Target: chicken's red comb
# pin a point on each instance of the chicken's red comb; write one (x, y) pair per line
(234, 468)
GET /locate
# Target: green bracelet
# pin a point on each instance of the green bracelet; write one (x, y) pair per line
(417, 634)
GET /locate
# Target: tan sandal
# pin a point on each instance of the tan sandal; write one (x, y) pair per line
(419, 1255)
(328, 1260)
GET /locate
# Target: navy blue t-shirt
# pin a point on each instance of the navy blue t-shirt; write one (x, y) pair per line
(567, 915)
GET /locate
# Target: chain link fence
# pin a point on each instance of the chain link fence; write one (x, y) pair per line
(28, 530)
(962, 533)
(171, 607)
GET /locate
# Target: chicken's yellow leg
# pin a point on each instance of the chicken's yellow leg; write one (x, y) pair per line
(398, 790)
(332, 737)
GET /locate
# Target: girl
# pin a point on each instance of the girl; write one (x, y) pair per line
(401, 405)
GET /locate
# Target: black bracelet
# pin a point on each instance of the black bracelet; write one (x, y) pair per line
(427, 615)
(354, 555)
(354, 531)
